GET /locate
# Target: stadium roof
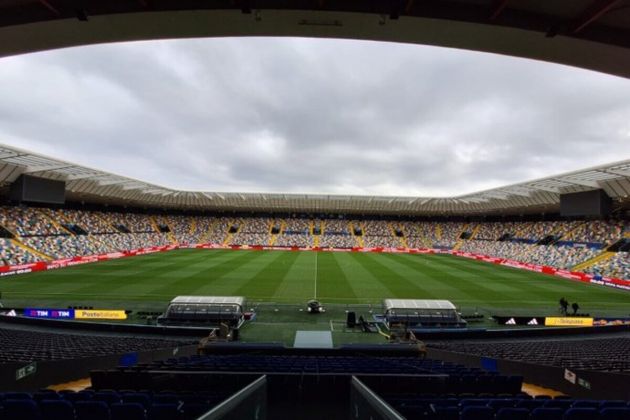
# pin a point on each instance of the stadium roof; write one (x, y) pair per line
(92, 185)
(593, 34)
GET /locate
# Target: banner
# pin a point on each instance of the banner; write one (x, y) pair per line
(49, 313)
(568, 322)
(68, 262)
(99, 314)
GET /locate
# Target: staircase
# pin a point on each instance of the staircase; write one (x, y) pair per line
(273, 238)
(31, 250)
(229, 236)
(228, 239)
(58, 225)
(154, 224)
(203, 238)
(193, 226)
(568, 233)
(358, 239)
(317, 237)
(156, 227)
(475, 231)
(600, 257)
(460, 241)
(401, 239)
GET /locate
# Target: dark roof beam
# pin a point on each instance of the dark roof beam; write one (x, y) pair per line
(596, 10)
(497, 8)
(50, 7)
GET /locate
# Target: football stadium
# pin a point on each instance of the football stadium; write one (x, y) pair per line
(122, 298)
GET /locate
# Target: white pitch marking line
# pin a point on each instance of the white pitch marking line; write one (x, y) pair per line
(315, 291)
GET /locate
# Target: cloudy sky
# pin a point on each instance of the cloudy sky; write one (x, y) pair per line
(315, 116)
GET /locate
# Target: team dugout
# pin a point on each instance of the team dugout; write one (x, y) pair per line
(204, 311)
(421, 313)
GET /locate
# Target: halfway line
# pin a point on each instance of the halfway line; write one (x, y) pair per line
(315, 291)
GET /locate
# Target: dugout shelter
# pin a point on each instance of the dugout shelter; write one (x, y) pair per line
(430, 313)
(204, 311)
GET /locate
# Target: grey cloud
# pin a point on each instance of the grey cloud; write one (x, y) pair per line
(299, 115)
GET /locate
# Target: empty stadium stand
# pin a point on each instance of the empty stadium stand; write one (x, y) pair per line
(40, 234)
(26, 346)
(601, 354)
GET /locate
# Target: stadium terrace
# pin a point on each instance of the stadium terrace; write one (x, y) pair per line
(121, 299)
(81, 239)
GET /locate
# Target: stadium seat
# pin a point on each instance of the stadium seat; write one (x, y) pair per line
(191, 411)
(612, 403)
(40, 396)
(127, 411)
(91, 410)
(562, 404)
(477, 413)
(165, 399)
(614, 413)
(109, 397)
(24, 409)
(166, 411)
(496, 404)
(547, 414)
(586, 404)
(507, 413)
(17, 396)
(581, 414)
(78, 396)
(470, 402)
(530, 404)
(56, 410)
(137, 397)
(447, 413)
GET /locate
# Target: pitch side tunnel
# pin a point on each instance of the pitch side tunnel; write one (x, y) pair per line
(592, 34)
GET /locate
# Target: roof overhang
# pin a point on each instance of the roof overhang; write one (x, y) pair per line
(592, 34)
(92, 185)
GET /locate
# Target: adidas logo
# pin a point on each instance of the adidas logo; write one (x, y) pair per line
(510, 321)
(533, 322)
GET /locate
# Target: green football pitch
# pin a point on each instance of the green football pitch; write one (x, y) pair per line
(291, 277)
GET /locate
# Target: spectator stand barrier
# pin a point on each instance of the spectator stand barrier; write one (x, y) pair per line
(248, 403)
(366, 405)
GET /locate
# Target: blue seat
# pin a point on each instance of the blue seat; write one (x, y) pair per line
(508, 413)
(501, 403)
(543, 413)
(612, 403)
(57, 410)
(586, 404)
(24, 409)
(40, 396)
(447, 413)
(77, 396)
(581, 414)
(165, 399)
(529, 404)
(476, 402)
(17, 396)
(110, 397)
(477, 413)
(137, 397)
(167, 411)
(91, 410)
(563, 404)
(127, 411)
(191, 411)
(614, 413)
